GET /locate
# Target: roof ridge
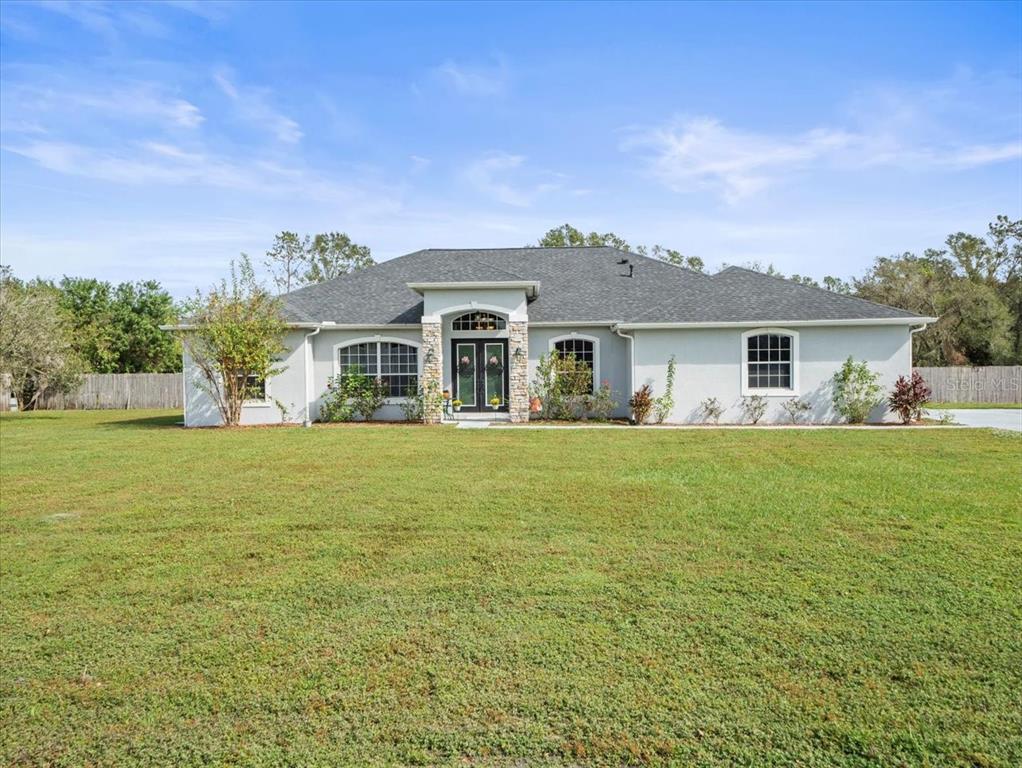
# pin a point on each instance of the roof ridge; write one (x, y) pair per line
(814, 287)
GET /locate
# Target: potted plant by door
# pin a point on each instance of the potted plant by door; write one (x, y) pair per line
(456, 404)
(495, 402)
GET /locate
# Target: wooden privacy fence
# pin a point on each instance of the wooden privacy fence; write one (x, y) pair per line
(121, 390)
(986, 384)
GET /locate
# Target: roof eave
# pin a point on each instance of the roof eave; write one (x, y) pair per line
(856, 321)
(531, 287)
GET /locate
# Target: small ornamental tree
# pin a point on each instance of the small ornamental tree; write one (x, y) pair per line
(234, 335)
(665, 403)
(909, 396)
(856, 391)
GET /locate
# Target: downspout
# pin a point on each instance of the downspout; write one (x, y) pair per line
(308, 384)
(631, 358)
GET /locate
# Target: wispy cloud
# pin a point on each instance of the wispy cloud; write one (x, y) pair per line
(955, 124)
(254, 105)
(474, 80)
(504, 177)
(703, 152)
(160, 163)
(110, 19)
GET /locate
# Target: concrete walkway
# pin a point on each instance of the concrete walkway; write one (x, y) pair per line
(998, 418)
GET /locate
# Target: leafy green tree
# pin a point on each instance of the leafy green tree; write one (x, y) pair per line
(117, 329)
(234, 334)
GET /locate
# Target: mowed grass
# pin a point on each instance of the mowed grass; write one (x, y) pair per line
(412, 595)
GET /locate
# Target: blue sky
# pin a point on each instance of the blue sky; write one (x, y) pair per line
(160, 140)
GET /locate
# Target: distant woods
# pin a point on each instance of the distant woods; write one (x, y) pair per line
(295, 261)
(973, 284)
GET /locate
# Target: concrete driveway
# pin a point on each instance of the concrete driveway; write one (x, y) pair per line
(999, 418)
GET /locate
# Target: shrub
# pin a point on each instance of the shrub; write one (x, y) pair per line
(795, 408)
(856, 391)
(641, 404)
(602, 403)
(712, 409)
(665, 403)
(337, 400)
(909, 396)
(753, 407)
(563, 385)
(353, 393)
(414, 404)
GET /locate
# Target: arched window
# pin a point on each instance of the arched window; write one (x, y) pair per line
(479, 321)
(395, 363)
(585, 349)
(770, 362)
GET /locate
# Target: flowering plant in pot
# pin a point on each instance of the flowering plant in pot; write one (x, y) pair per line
(456, 404)
(535, 404)
(495, 402)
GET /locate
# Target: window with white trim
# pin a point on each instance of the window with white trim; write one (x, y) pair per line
(583, 350)
(770, 361)
(396, 364)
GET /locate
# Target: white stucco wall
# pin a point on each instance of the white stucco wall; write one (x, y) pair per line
(612, 365)
(287, 388)
(325, 362)
(710, 365)
(508, 301)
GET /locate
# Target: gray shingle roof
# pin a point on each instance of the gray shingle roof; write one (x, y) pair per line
(576, 285)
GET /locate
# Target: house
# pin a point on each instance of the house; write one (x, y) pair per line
(475, 322)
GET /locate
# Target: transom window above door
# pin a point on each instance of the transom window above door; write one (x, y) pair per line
(396, 364)
(479, 321)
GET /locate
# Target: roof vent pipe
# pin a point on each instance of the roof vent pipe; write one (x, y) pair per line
(631, 270)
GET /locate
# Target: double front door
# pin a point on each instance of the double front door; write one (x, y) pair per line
(480, 372)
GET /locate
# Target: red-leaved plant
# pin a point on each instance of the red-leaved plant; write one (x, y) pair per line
(909, 396)
(642, 404)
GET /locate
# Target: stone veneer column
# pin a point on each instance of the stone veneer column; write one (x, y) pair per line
(518, 397)
(432, 371)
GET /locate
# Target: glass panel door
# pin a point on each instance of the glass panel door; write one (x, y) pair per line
(465, 374)
(494, 366)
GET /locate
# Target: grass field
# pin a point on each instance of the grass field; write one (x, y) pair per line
(402, 595)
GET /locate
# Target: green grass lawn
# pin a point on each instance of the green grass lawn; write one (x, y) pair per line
(975, 406)
(411, 595)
